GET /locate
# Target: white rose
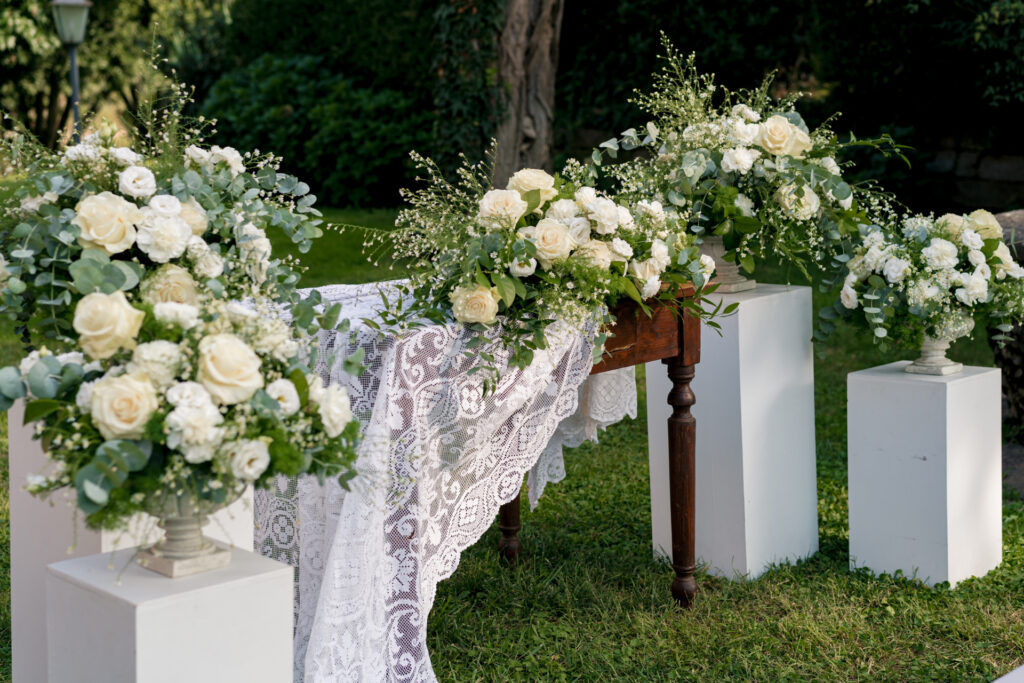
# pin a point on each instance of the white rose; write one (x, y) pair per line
(184, 316)
(745, 204)
(739, 160)
(986, 225)
(626, 221)
(194, 216)
(125, 156)
(475, 304)
(644, 270)
(940, 254)
(746, 113)
(973, 289)
(159, 360)
(552, 240)
(165, 205)
(83, 152)
(170, 284)
(585, 196)
(984, 270)
(597, 253)
(501, 209)
(189, 395)
(523, 268)
(802, 204)
(287, 397)
(659, 254)
(562, 210)
(161, 237)
(848, 296)
(621, 251)
(579, 229)
(896, 269)
(604, 214)
(136, 181)
(228, 368)
(950, 224)
(229, 156)
(106, 323)
(651, 287)
(971, 239)
(249, 458)
(121, 406)
(707, 266)
(106, 221)
(335, 410)
(529, 179)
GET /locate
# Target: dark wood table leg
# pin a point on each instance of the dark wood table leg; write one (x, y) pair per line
(508, 521)
(682, 429)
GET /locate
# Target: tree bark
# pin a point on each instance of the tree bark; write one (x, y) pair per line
(527, 64)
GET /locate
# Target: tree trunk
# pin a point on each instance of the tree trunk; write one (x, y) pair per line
(527, 62)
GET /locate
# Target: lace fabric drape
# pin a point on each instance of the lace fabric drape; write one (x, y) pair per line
(437, 461)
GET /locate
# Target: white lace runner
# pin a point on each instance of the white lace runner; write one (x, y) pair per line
(438, 460)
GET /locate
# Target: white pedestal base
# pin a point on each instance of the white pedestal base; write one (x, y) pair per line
(757, 501)
(42, 532)
(231, 624)
(925, 475)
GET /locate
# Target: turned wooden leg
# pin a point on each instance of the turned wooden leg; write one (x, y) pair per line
(508, 521)
(681, 465)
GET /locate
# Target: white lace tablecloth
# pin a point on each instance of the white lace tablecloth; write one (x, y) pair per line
(437, 461)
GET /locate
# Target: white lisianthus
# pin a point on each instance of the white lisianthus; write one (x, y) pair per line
(598, 254)
(552, 240)
(579, 229)
(653, 210)
(161, 237)
(562, 209)
(170, 284)
(136, 181)
(940, 254)
(335, 410)
(501, 209)
(896, 269)
(228, 156)
(283, 391)
(780, 137)
(165, 205)
(184, 316)
(228, 368)
(972, 240)
(659, 254)
(475, 304)
(604, 214)
(106, 221)
(801, 203)
(523, 268)
(121, 406)
(707, 266)
(745, 204)
(621, 251)
(196, 156)
(106, 323)
(746, 113)
(585, 196)
(124, 156)
(651, 287)
(83, 152)
(739, 160)
(986, 225)
(249, 458)
(626, 221)
(158, 360)
(528, 179)
(973, 289)
(950, 224)
(848, 297)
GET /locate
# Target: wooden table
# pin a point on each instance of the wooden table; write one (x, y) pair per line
(676, 342)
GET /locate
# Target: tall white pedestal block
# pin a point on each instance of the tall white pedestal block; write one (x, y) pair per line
(925, 472)
(756, 477)
(43, 532)
(230, 624)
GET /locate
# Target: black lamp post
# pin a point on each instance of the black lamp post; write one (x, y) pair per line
(71, 16)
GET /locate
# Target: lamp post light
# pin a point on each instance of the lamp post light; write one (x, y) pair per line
(71, 17)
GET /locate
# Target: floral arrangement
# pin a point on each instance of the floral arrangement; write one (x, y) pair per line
(165, 363)
(742, 167)
(544, 248)
(934, 277)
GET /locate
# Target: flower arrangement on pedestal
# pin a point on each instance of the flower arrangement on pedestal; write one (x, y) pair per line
(932, 278)
(544, 248)
(742, 170)
(166, 376)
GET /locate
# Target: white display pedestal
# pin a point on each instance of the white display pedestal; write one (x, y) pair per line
(136, 626)
(925, 456)
(42, 532)
(757, 500)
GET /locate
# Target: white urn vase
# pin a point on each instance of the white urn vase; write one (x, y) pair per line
(727, 273)
(933, 359)
(184, 550)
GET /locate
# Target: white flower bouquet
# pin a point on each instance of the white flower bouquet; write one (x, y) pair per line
(164, 361)
(918, 276)
(544, 248)
(742, 167)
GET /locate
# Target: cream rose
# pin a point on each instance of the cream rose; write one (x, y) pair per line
(501, 209)
(597, 253)
(475, 304)
(228, 368)
(780, 137)
(552, 240)
(986, 225)
(106, 323)
(194, 216)
(162, 237)
(802, 204)
(951, 224)
(563, 210)
(528, 179)
(121, 406)
(136, 181)
(124, 156)
(170, 284)
(106, 221)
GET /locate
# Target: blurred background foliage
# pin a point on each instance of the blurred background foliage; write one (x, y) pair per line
(343, 89)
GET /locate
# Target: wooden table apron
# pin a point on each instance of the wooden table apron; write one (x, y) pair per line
(676, 342)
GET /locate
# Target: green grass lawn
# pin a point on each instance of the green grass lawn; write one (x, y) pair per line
(588, 602)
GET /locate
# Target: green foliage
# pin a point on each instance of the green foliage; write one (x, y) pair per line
(353, 140)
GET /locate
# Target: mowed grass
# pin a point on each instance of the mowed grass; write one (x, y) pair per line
(588, 602)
